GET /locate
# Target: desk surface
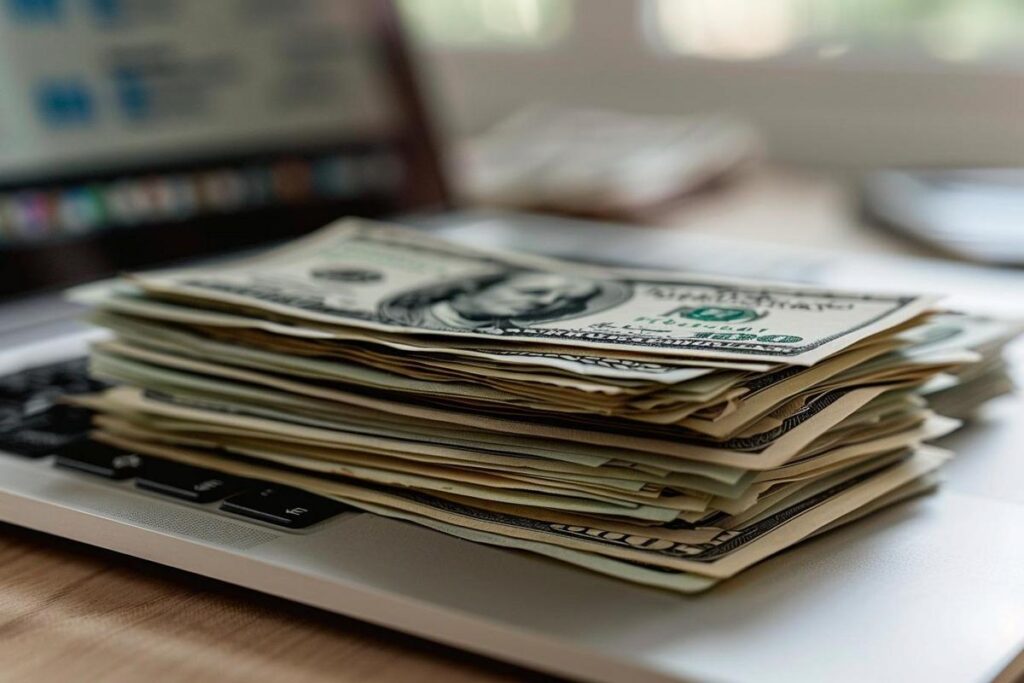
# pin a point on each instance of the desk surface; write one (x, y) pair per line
(68, 609)
(72, 612)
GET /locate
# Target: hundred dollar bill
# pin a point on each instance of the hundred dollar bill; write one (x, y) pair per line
(237, 430)
(756, 451)
(315, 439)
(729, 552)
(415, 375)
(618, 366)
(272, 447)
(358, 274)
(377, 468)
(654, 576)
(326, 457)
(857, 367)
(521, 489)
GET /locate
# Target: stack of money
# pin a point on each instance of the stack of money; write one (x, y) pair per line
(961, 393)
(665, 429)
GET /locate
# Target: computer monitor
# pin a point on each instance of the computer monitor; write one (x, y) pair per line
(134, 132)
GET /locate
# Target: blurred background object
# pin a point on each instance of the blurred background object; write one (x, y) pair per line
(139, 131)
(833, 83)
(977, 214)
(599, 163)
(834, 88)
(219, 125)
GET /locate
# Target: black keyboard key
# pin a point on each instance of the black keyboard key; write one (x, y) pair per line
(99, 459)
(194, 484)
(65, 419)
(45, 433)
(283, 506)
(73, 377)
(42, 386)
(12, 414)
(20, 386)
(31, 443)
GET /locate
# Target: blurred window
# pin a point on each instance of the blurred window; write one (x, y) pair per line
(922, 30)
(517, 24)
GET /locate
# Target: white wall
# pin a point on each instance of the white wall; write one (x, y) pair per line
(820, 113)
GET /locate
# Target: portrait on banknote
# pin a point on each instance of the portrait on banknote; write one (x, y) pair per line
(509, 299)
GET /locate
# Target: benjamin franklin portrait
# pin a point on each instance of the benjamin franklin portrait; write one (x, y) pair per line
(514, 298)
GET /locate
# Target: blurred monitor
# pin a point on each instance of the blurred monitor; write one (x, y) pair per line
(141, 131)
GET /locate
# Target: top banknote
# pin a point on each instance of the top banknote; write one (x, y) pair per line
(358, 274)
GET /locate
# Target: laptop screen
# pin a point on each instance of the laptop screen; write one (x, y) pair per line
(134, 132)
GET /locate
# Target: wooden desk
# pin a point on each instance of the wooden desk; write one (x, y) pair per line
(72, 612)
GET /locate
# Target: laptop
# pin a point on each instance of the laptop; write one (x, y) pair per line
(159, 132)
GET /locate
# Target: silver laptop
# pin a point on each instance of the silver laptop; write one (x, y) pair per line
(148, 144)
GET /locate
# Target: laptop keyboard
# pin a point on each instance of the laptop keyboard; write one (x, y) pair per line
(34, 425)
(98, 459)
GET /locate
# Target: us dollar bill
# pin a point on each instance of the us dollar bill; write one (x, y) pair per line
(727, 553)
(358, 274)
(760, 451)
(125, 301)
(396, 372)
